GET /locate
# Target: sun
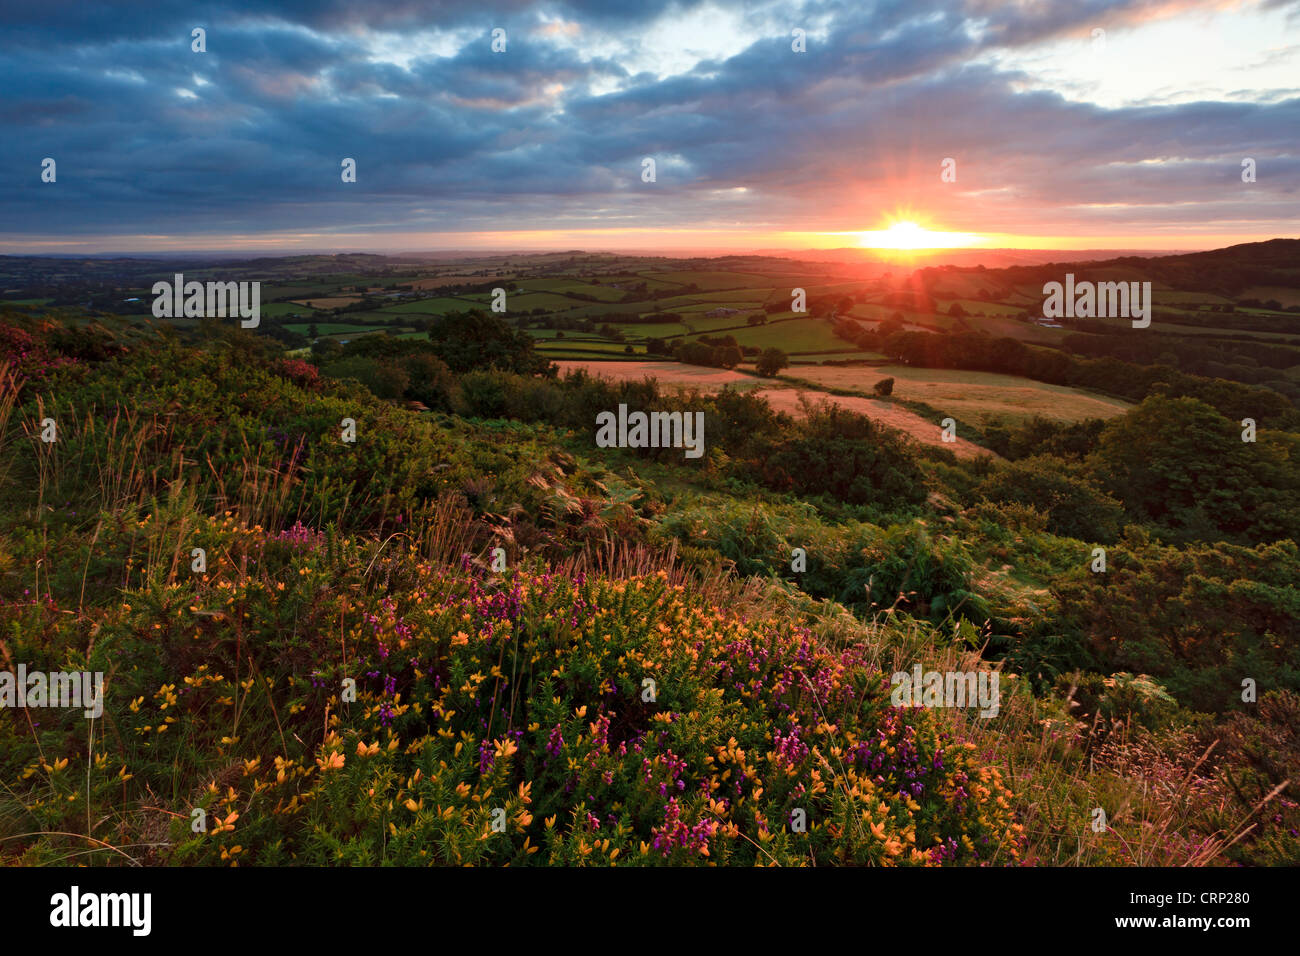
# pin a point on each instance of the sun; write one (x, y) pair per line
(900, 235)
(905, 234)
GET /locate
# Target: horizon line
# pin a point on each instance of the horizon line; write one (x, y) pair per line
(678, 252)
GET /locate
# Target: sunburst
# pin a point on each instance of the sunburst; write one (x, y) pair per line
(905, 234)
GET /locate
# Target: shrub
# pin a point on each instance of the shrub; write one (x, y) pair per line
(843, 455)
(300, 373)
(382, 378)
(771, 361)
(1073, 504)
(1197, 619)
(521, 701)
(430, 381)
(1183, 467)
(482, 395)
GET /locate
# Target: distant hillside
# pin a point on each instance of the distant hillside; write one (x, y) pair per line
(1226, 272)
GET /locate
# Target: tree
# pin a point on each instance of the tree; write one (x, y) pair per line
(757, 318)
(891, 326)
(430, 381)
(884, 387)
(1179, 465)
(483, 339)
(728, 356)
(326, 350)
(696, 353)
(771, 362)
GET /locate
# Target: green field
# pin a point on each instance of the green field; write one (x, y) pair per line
(700, 308)
(527, 301)
(608, 354)
(561, 286)
(328, 328)
(716, 280)
(277, 309)
(332, 329)
(652, 284)
(654, 330)
(974, 306)
(793, 337)
(803, 360)
(436, 306)
(353, 335)
(601, 309)
(1171, 297)
(304, 291)
(583, 345)
(569, 335)
(1015, 329)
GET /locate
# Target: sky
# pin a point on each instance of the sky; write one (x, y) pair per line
(1072, 124)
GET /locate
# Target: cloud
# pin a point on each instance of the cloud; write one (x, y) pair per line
(247, 138)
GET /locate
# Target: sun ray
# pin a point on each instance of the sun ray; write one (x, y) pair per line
(903, 234)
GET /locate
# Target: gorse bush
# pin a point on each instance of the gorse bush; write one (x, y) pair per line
(383, 379)
(605, 720)
(1073, 504)
(1182, 467)
(1138, 617)
(265, 441)
(355, 677)
(867, 569)
(843, 455)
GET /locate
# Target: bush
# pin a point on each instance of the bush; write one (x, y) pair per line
(430, 381)
(484, 340)
(383, 379)
(1074, 505)
(1183, 467)
(843, 455)
(771, 361)
(476, 692)
(482, 395)
(300, 372)
(1197, 620)
(1262, 754)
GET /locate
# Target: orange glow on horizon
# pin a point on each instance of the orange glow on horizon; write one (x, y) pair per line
(905, 235)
